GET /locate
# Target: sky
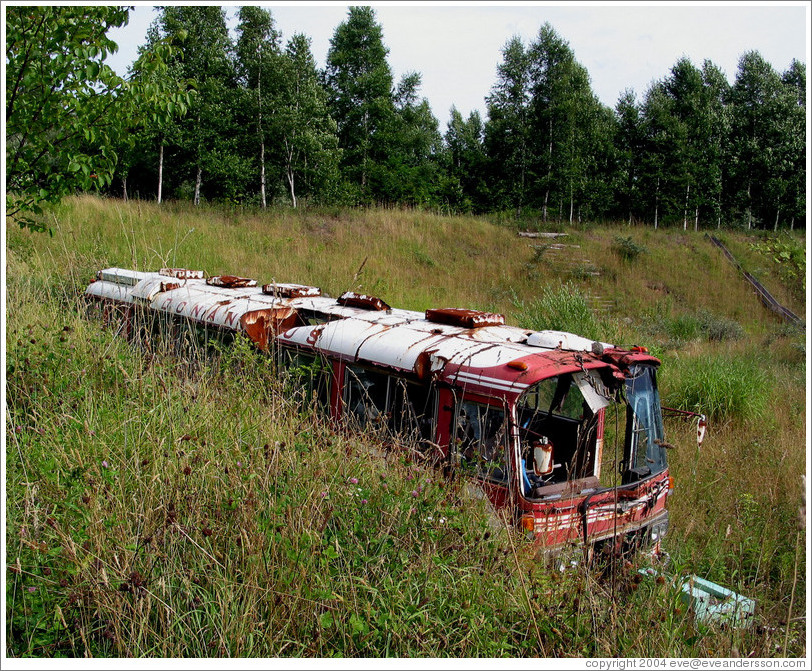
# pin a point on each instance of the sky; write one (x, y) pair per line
(456, 47)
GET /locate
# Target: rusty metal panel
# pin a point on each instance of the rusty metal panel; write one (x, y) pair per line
(397, 347)
(263, 325)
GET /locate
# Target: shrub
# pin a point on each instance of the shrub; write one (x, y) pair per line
(687, 327)
(627, 249)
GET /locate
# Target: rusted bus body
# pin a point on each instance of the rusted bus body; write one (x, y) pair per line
(562, 432)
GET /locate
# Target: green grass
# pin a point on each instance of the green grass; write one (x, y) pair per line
(166, 505)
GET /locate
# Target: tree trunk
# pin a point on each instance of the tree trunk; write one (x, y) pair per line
(749, 208)
(261, 137)
(656, 203)
(777, 212)
(262, 174)
(572, 205)
(124, 189)
(291, 178)
(696, 218)
(685, 209)
(198, 181)
(549, 171)
(160, 172)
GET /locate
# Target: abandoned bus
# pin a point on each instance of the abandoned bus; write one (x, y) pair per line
(563, 433)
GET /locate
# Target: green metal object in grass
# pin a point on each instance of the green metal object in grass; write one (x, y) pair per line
(714, 604)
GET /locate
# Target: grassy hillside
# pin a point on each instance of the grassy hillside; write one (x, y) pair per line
(161, 505)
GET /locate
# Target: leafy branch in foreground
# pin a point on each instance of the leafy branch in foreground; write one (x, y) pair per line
(65, 108)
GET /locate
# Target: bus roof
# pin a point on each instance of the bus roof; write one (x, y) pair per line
(496, 360)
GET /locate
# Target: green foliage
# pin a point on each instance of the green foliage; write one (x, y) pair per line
(66, 108)
(723, 387)
(302, 127)
(789, 255)
(627, 249)
(62, 104)
(208, 118)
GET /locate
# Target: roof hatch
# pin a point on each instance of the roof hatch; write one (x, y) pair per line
(290, 290)
(231, 281)
(351, 299)
(181, 273)
(470, 319)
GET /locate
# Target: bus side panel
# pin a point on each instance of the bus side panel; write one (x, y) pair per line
(337, 389)
(445, 420)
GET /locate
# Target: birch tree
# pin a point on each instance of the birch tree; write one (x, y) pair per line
(258, 58)
(306, 133)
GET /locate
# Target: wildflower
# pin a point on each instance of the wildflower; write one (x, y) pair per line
(105, 464)
(364, 501)
(32, 589)
(324, 495)
(415, 493)
(19, 429)
(239, 464)
(353, 481)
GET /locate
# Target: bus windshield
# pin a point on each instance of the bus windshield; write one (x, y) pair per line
(559, 426)
(644, 422)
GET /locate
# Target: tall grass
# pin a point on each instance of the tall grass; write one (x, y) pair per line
(723, 387)
(166, 505)
(560, 308)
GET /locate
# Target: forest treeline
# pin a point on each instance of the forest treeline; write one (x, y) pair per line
(255, 121)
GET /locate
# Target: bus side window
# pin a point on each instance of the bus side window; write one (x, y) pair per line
(365, 396)
(309, 376)
(480, 439)
(411, 410)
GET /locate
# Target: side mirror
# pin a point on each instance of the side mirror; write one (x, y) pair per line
(701, 425)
